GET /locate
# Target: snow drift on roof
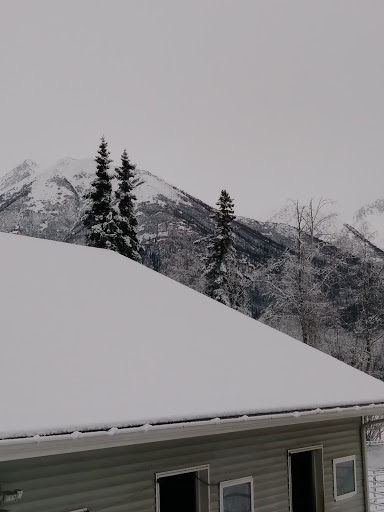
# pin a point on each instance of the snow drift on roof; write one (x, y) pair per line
(93, 340)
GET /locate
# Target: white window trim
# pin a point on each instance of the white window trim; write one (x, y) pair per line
(164, 474)
(238, 481)
(349, 494)
(310, 448)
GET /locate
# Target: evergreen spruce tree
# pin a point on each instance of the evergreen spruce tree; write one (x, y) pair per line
(220, 252)
(99, 218)
(127, 243)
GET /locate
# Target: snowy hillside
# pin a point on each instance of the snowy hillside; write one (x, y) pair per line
(369, 220)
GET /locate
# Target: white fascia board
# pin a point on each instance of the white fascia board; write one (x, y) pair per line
(38, 446)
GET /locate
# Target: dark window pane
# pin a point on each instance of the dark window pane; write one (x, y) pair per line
(237, 498)
(345, 477)
(178, 489)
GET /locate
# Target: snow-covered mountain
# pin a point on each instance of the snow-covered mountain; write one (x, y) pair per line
(49, 204)
(369, 221)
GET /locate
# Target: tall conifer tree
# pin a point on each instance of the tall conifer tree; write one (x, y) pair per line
(99, 217)
(127, 243)
(220, 252)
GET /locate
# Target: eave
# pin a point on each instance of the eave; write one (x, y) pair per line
(44, 445)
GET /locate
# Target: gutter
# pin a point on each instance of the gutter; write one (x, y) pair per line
(43, 445)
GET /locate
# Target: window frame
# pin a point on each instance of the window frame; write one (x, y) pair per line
(231, 483)
(348, 494)
(182, 471)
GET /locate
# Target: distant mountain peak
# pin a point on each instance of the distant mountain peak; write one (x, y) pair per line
(29, 163)
(25, 170)
(67, 160)
(151, 188)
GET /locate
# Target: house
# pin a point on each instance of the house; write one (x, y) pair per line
(122, 390)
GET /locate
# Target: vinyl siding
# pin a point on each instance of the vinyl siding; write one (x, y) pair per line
(123, 479)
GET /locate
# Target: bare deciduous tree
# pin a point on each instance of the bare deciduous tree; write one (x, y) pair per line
(297, 284)
(364, 312)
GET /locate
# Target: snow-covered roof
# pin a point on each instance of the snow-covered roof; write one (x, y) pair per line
(92, 340)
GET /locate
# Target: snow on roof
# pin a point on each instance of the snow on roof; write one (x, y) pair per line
(92, 340)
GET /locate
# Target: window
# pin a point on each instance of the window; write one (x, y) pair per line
(344, 477)
(237, 495)
(186, 489)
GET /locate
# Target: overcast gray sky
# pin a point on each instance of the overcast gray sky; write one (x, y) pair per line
(272, 99)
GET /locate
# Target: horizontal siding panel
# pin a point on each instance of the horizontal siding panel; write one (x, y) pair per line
(258, 466)
(265, 499)
(281, 506)
(96, 477)
(347, 505)
(91, 488)
(123, 479)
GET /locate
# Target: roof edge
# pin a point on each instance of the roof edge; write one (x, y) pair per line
(38, 446)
